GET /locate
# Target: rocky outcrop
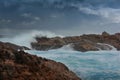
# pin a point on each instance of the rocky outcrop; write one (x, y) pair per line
(91, 42)
(44, 43)
(18, 65)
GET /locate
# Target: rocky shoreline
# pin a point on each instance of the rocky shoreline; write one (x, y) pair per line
(19, 65)
(15, 64)
(90, 42)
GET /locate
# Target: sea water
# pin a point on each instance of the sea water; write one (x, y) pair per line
(92, 65)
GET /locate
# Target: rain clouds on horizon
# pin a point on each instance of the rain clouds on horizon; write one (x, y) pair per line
(62, 16)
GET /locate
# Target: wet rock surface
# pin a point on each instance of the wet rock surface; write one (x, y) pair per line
(18, 65)
(91, 42)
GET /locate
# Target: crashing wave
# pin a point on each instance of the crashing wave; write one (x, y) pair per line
(67, 47)
(103, 46)
(24, 39)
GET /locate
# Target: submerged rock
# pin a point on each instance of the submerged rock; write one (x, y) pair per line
(18, 65)
(80, 43)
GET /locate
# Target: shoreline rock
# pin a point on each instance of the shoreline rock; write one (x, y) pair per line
(80, 43)
(18, 65)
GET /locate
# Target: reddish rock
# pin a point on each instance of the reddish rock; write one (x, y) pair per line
(80, 43)
(48, 43)
(18, 65)
(84, 45)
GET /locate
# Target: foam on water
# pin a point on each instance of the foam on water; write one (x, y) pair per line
(92, 65)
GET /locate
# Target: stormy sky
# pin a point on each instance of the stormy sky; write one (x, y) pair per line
(70, 17)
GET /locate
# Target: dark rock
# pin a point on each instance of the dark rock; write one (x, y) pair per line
(18, 65)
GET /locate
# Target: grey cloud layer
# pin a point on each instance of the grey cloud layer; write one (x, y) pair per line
(58, 15)
(111, 14)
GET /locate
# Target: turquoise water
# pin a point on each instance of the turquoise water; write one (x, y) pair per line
(98, 65)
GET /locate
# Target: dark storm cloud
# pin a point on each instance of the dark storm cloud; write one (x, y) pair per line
(60, 15)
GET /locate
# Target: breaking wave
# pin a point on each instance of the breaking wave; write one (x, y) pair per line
(107, 47)
(24, 39)
(91, 65)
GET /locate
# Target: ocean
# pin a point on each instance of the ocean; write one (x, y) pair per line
(91, 65)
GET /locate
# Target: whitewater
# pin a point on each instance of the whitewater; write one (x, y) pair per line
(91, 65)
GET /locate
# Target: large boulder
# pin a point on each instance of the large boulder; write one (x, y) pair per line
(18, 65)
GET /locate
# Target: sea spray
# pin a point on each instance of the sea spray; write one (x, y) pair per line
(24, 39)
